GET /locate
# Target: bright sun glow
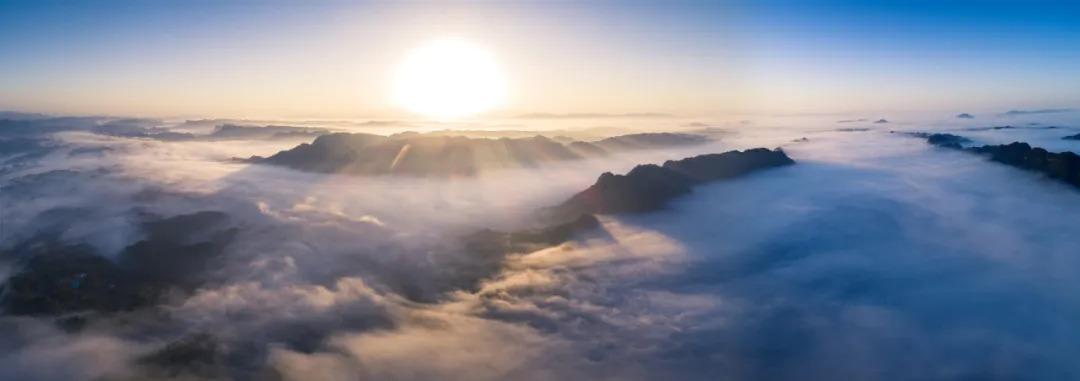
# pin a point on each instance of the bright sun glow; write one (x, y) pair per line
(450, 79)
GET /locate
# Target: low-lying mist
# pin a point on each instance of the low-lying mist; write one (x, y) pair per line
(876, 256)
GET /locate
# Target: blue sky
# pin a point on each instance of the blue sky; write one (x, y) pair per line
(330, 59)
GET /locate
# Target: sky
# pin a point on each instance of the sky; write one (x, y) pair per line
(336, 59)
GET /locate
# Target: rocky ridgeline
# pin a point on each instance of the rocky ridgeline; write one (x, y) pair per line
(1062, 166)
(439, 155)
(941, 140)
(649, 187)
(645, 188)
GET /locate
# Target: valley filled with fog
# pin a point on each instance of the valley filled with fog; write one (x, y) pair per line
(137, 248)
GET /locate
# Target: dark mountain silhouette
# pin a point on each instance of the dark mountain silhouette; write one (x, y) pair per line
(39, 127)
(424, 155)
(200, 356)
(1040, 111)
(221, 132)
(1062, 166)
(965, 116)
(421, 155)
(234, 131)
(649, 140)
(16, 115)
(587, 149)
(644, 188)
(941, 140)
(140, 128)
(649, 187)
(1032, 126)
(1072, 137)
(55, 278)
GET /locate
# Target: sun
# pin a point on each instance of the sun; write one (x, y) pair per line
(449, 78)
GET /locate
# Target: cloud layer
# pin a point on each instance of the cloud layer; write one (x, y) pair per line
(876, 256)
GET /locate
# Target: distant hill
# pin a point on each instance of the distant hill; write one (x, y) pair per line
(645, 188)
(234, 131)
(649, 187)
(442, 155)
(1061, 166)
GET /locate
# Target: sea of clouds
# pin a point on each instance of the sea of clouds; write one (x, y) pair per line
(877, 256)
